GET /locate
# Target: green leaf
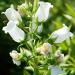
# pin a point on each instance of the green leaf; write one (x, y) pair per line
(26, 72)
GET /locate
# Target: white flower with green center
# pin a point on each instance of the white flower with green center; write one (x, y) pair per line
(43, 11)
(13, 15)
(15, 32)
(56, 70)
(15, 57)
(61, 34)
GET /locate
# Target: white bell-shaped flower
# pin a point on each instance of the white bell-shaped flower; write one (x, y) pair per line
(13, 15)
(15, 57)
(56, 70)
(61, 34)
(43, 11)
(15, 32)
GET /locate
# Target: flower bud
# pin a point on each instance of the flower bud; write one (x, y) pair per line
(40, 28)
(22, 8)
(25, 52)
(59, 56)
(45, 48)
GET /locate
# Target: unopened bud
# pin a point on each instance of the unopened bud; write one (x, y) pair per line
(45, 48)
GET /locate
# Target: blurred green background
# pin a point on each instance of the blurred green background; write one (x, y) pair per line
(57, 18)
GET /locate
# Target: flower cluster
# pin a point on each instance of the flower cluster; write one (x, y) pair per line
(34, 48)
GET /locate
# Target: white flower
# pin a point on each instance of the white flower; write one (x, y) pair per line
(15, 32)
(45, 49)
(43, 11)
(15, 57)
(13, 15)
(56, 70)
(61, 34)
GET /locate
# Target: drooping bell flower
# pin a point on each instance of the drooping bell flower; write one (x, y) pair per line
(42, 12)
(12, 14)
(61, 34)
(15, 32)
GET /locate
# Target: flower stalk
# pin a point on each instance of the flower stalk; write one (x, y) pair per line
(35, 5)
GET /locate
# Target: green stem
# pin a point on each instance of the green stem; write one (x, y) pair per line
(36, 72)
(35, 5)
